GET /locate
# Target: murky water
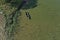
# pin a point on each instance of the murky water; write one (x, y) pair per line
(45, 22)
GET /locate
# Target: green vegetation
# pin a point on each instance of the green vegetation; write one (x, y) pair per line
(11, 16)
(11, 22)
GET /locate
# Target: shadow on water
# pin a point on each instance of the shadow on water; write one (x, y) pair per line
(30, 4)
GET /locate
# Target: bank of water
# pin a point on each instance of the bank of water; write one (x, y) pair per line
(2, 27)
